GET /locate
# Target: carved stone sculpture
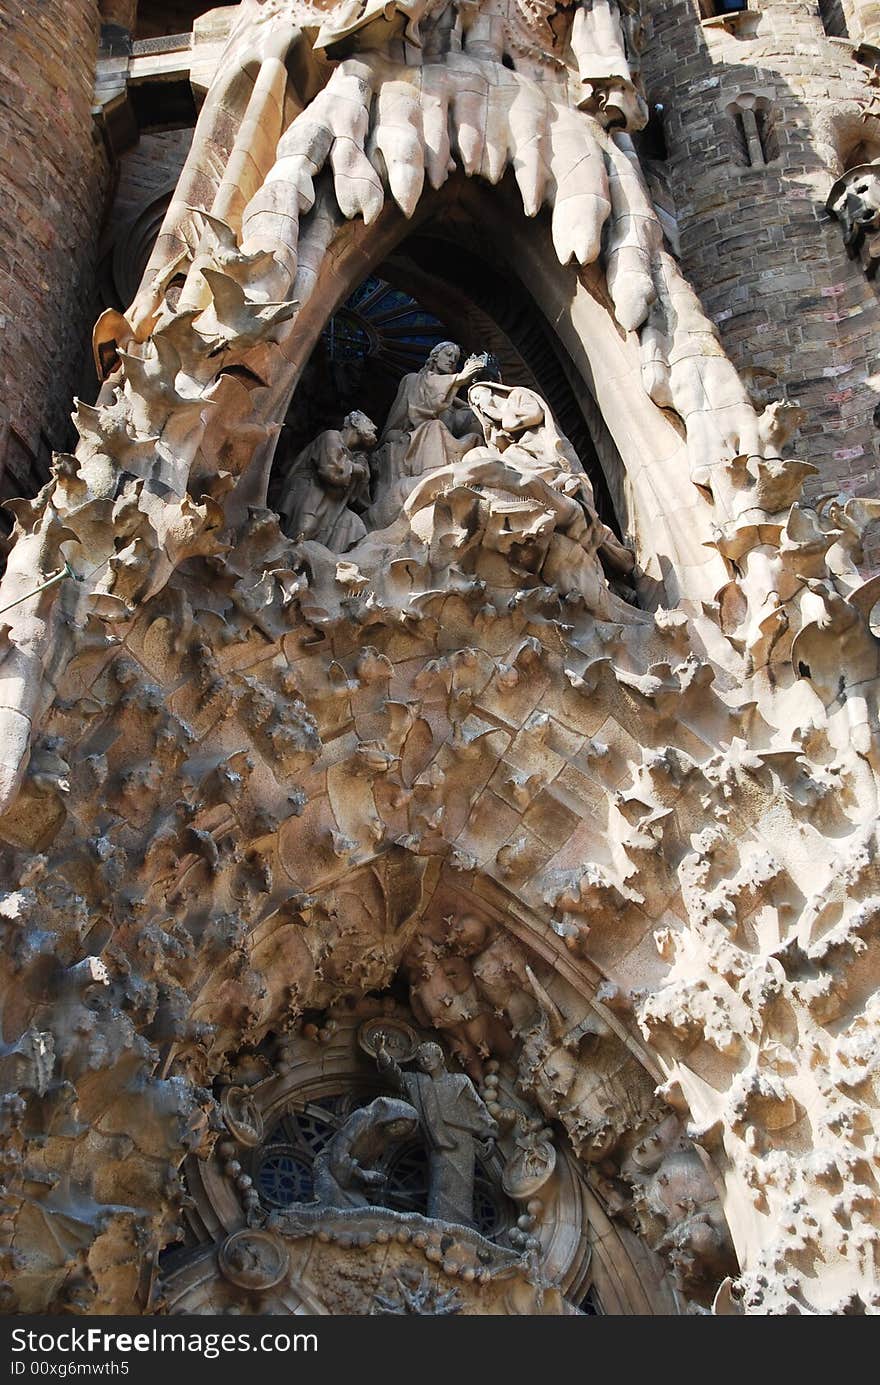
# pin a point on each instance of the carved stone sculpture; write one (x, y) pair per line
(343, 1172)
(328, 483)
(521, 501)
(855, 201)
(421, 1298)
(242, 1118)
(452, 1119)
(247, 781)
(253, 1260)
(533, 1163)
(426, 428)
(517, 423)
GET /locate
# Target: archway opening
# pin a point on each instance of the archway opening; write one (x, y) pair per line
(444, 282)
(579, 1168)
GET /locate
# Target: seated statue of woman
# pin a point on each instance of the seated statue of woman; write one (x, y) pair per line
(327, 484)
(427, 427)
(518, 424)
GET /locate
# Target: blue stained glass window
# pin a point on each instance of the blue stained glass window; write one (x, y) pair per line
(384, 324)
(284, 1177)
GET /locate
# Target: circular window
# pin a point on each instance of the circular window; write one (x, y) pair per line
(383, 323)
(283, 1176)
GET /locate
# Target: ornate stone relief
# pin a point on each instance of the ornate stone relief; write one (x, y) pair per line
(350, 1200)
(619, 857)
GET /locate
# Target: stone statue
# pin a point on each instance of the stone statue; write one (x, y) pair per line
(327, 484)
(453, 1118)
(253, 1259)
(342, 1170)
(533, 1159)
(429, 393)
(537, 507)
(517, 423)
(855, 201)
(427, 427)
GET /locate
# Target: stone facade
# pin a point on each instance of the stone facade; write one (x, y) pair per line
(438, 855)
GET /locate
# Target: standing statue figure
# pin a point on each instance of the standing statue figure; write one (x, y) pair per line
(343, 1169)
(426, 428)
(328, 483)
(453, 1118)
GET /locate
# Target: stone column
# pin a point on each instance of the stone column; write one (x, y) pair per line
(53, 172)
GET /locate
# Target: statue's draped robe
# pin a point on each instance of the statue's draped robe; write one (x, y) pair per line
(522, 430)
(452, 1116)
(417, 438)
(312, 504)
(360, 1143)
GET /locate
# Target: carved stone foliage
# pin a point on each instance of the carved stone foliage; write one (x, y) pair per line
(619, 858)
(423, 1298)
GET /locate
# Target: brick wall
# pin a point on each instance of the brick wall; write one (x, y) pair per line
(146, 170)
(757, 243)
(53, 177)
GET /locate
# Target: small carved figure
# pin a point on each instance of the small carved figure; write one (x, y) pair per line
(574, 1075)
(343, 1171)
(444, 994)
(855, 201)
(453, 1119)
(534, 1158)
(253, 1260)
(242, 1116)
(678, 1206)
(328, 483)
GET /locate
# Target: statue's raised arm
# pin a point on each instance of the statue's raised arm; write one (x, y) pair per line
(388, 1066)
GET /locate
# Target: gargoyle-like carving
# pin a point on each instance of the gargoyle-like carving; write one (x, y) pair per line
(855, 201)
